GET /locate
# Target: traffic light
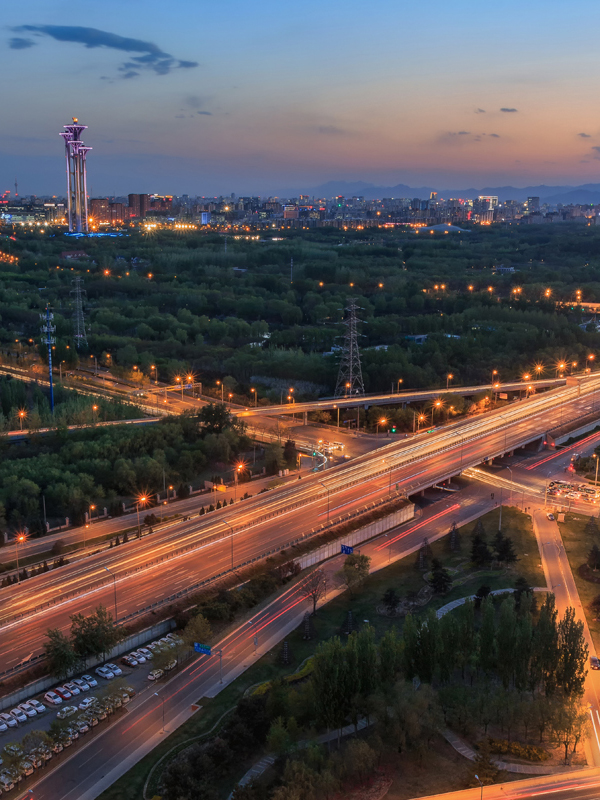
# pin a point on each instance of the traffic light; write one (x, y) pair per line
(393, 429)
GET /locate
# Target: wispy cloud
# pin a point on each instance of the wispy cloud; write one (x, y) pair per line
(331, 130)
(151, 56)
(480, 110)
(584, 135)
(509, 110)
(204, 113)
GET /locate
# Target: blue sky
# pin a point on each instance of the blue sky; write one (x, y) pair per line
(204, 98)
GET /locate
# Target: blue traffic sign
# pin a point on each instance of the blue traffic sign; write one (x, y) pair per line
(347, 550)
(202, 648)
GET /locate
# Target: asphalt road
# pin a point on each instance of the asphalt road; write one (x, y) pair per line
(152, 569)
(95, 763)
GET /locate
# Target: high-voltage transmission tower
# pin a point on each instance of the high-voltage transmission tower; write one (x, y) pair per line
(75, 154)
(350, 380)
(79, 335)
(47, 330)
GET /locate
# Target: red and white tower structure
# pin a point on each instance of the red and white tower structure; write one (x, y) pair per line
(75, 154)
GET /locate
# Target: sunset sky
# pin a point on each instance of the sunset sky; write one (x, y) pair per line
(270, 97)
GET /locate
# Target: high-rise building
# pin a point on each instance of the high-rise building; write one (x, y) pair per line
(533, 205)
(117, 213)
(99, 211)
(134, 205)
(75, 154)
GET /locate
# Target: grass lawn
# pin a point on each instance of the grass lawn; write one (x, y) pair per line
(577, 546)
(404, 576)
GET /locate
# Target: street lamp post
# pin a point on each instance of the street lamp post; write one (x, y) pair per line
(448, 379)
(220, 383)
(481, 784)
(255, 396)
(153, 369)
(327, 490)
(190, 380)
(137, 505)
(381, 421)
(162, 699)
(597, 462)
(231, 529)
(400, 380)
(22, 414)
(114, 577)
(20, 538)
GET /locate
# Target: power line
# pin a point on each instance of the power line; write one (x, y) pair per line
(350, 380)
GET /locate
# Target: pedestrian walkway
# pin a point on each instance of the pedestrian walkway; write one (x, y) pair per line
(462, 600)
(524, 769)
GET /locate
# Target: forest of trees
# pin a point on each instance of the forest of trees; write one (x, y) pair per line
(181, 303)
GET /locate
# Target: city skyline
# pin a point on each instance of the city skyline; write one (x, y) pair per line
(259, 101)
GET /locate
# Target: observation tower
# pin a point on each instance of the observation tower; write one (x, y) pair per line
(75, 155)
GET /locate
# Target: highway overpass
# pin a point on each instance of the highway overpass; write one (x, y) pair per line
(161, 566)
(394, 398)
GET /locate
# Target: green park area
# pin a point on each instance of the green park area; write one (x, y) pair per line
(467, 682)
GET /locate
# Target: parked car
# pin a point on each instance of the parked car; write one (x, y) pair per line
(66, 712)
(65, 739)
(6, 782)
(81, 684)
(57, 748)
(27, 709)
(13, 750)
(86, 703)
(145, 652)
(73, 732)
(35, 759)
(19, 715)
(174, 637)
(152, 646)
(155, 674)
(72, 687)
(594, 663)
(52, 698)
(550, 516)
(139, 657)
(63, 692)
(129, 661)
(90, 680)
(3, 727)
(89, 718)
(166, 642)
(44, 752)
(81, 725)
(130, 691)
(114, 669)
(171, 665)
(25, 768)
(105, 672)
(39, 707)
(11, 722)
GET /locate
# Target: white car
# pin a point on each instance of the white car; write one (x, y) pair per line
(81, 684)
(3, 727)
(145, 652)
(39, 707)
(90, 680)
(52, 698)
(73, 688)
(139, 657)
(27, 709)
(66, 712)
(114, 669)
(155, 674)
(19, 715)
(11, 722)
(86, 703)
(105, 672)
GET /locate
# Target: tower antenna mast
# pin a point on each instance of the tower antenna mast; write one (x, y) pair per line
(48, 339)
(79, 335)
(75, 155)
(350, 380)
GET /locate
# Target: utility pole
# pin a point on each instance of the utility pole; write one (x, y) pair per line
(291, 270)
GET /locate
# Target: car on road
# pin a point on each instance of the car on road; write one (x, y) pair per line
(72, 687)
(114, 669)
(66, 712)
(129, 661)
(53, 698)
(105, 672)
(82, 684)
(155, 674)
(39, 707)
(550, 516)
(11, 722)
(27, 709)
(19, 715)
(63, 692)
(86, 703)
(594, 662)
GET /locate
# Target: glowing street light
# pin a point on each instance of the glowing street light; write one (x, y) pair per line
(255, 396)
(140, 501)
(22, 415)
(448, 379)
(381, 421)
(20, 538)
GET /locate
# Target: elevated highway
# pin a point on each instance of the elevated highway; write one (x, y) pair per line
(148, 571)
(393, 398)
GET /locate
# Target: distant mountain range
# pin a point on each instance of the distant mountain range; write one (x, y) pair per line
(584, 194)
